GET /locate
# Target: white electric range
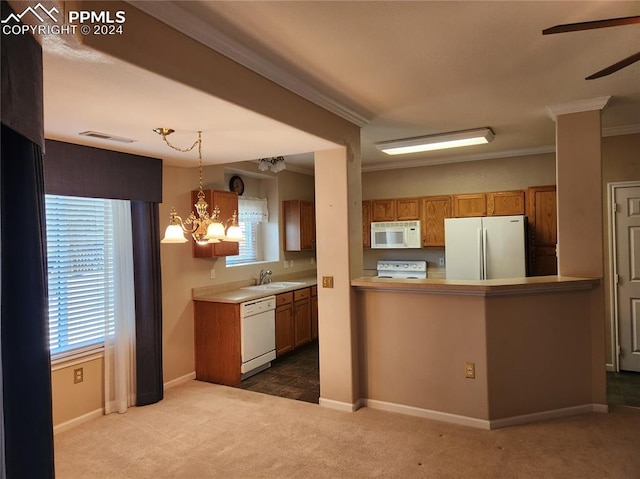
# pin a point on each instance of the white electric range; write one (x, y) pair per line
(402, 269)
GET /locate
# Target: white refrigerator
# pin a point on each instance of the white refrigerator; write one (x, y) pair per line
(488, 247)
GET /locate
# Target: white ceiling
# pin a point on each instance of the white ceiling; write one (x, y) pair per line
(398, 68)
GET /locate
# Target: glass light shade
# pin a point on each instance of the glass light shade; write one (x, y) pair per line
(215, 232)
(234, 233)
(174, 234)
(263, 165)
(278, 166)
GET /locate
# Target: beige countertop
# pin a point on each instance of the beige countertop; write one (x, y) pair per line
(241, 294)
(487, 287)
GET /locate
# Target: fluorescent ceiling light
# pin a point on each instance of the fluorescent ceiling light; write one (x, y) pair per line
(436, 142)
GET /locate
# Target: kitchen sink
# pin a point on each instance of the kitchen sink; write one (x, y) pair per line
(274, 286)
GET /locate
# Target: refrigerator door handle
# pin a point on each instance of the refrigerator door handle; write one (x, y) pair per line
(484, 254)
(480, 255)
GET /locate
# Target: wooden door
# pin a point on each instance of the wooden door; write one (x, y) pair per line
(505, 203)
(542, 217)
(383, 210)
(467, 205)
(284, 324)
(366, 224)
(434, 211)
(407, 209)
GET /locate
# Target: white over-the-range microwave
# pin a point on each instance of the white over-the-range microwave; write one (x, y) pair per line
(396, 234)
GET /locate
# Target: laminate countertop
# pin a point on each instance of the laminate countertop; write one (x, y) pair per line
(249, 293)
(487, 287)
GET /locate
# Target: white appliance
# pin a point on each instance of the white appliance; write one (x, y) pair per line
(402, 269)
(396, 234)
(257, 335)
(489, 247)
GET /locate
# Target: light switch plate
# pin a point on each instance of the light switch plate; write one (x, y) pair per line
(327, 281)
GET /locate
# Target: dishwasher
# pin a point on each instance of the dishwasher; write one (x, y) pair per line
(257, 335)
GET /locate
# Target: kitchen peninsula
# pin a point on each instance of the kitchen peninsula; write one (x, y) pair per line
(486, 353)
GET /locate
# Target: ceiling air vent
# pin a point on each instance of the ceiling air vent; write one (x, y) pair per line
(106, 136)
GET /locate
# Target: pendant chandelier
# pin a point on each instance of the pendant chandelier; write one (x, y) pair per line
(275, 163)
(204, 228)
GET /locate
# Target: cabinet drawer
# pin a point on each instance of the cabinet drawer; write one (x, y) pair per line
(284, 298)
(302, 294)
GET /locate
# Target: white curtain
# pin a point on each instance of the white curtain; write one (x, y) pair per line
(119, 348)
(253, 210)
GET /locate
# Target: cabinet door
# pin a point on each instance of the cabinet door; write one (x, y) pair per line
(366, 224)
(542, 216)
(467, 205)
(434, 211)
(314, 312)
(228, 203)
(299, 225)
(284, 327)
(505, 203)
(383, 210)
(407, 209)
(302, 316)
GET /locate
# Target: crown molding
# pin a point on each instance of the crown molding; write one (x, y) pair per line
(577, 106)
(621, 130)
(458, 159)
(172, 14)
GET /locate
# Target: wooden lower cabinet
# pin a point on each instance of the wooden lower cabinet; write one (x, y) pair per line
(284, 323)
(314, 312)
(217, 342)
(302, 316)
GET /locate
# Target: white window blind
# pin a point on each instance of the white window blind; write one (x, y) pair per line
(80, 256)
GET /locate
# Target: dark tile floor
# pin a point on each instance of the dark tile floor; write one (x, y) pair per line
(294, 376)
(623, 388)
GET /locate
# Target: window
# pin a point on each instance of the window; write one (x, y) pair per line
(81, 271)
(252, 213)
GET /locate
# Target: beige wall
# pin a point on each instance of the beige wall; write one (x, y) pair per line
(71, 401)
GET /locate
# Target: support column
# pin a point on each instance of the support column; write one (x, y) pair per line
(339, 254)
(580, 220)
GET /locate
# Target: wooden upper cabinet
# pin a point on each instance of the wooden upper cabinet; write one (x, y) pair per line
(366, 224)
(505, 203)
(227, 201)
(542, 216)
(383, 210)
(474, 204)
(299, 225)
(407, 209)
(434, 211)
(395, 209)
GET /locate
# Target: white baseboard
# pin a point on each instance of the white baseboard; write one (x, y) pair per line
(483, 423)
(181, 380)
(339, 405)
(546, 415)
(611, 368)
(65, 426)
(427, 413)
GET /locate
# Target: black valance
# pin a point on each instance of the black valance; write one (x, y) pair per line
(76, 170)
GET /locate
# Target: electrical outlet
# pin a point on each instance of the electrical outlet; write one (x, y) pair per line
(286, 264)
(78, 375)
(470, 370)
(441, 261)
(327, 281)
(212, 273)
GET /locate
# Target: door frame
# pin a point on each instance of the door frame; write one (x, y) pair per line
(613, 296)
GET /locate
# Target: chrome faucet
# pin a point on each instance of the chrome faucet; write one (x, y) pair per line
(263, 276)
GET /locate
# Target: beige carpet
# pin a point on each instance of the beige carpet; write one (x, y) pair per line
(202, 430)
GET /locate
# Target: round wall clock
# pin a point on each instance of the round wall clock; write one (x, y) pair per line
(236, 184)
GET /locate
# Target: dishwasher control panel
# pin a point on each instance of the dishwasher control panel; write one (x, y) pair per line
(249, 308)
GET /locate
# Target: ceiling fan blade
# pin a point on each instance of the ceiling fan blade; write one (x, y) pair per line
(574, 27)
(615, 67)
